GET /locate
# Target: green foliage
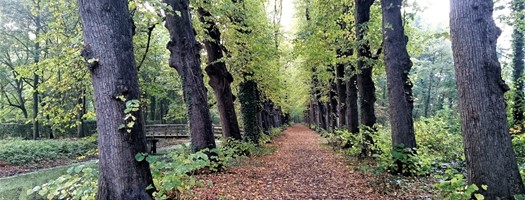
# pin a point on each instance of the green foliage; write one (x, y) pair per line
(131, 107)
(80, 182)
(518, 142)
(453, 185)
(19, 152)
(23, 130)
(172, 173)
(440, 135)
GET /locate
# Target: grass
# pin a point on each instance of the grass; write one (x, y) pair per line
(13, 188)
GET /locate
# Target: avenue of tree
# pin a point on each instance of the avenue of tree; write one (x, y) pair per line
(352, 65)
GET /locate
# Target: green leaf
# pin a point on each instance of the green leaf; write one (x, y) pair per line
(151, 159)
(140, 157)
(479, 196)
(121, 126)
(130, 124)
(484, 187)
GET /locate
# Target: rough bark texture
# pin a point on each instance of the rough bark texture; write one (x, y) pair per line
(220, 78)
(249, 99)
(398, 67)
(107, 38)
(185, 59)
(365, 83)
(517, 61)
(487, 143)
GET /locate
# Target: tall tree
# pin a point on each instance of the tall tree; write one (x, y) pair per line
(365, 83)
(398, 67)
(517, 60)
(488, 149)
(108, 49)
(185, 58)
(220, 78)
(249, 98)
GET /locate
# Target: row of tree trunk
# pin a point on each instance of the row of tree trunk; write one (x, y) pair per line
(480, 90)
(107, 28)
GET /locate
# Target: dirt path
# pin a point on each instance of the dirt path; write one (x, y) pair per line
(301, 168)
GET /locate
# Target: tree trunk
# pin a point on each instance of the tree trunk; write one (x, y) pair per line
(398, 67)
(517, 62)
(220, 78)
(249, 99)
(36, 77)
(341, 95)
(352, 116)
(36, 126)
(365, 83)
(334, 119)
(185, 58)
(108, 49)
(428, 95)
(488, 149)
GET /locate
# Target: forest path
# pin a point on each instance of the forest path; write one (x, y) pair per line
(301, 168)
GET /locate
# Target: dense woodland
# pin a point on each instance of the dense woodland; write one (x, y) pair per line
(430, 105)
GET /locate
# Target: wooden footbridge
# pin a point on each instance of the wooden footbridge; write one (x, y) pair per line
(155, 132)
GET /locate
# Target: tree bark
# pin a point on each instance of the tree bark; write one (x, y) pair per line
(185, 58)
(334, 118)
(109, 51)
(352, 115)
(488, 149)
(341, 95)
(36, 77)
(365, 83)
(220, 78)
(398, 67)
(517, 62)
(249, 99)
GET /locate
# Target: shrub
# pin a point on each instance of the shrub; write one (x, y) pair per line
(80, 182)
(19, 152)
(453, 185)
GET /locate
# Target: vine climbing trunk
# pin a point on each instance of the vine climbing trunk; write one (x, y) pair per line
(108, 49)
(249, 108)
(185, 58)
(490, 158)
(398, 67)
(365, 83)
(220, 78)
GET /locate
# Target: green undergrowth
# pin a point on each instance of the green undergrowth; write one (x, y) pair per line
(435, 169)
(173, 173)
(16, 151)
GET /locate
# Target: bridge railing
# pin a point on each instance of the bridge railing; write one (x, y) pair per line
(174, 131)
